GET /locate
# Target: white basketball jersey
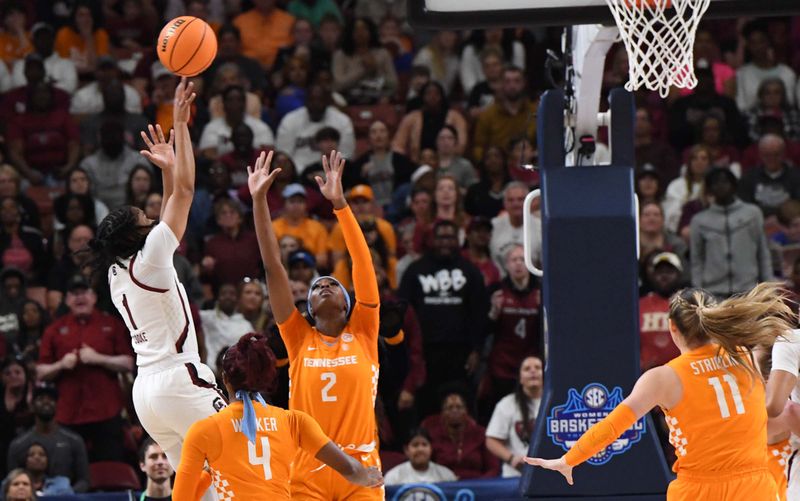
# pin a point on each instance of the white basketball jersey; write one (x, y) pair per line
(152, 301)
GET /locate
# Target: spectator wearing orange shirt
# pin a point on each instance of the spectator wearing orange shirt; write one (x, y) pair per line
(14, 41)
(295, 222)
(264, 29)
(84, 40)
(361, 200)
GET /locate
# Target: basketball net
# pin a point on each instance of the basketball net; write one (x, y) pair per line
(659, 37)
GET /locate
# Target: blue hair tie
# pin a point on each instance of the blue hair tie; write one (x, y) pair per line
(249, 425)
(311, 289)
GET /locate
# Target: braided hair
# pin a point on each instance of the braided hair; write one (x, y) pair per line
(118, 237)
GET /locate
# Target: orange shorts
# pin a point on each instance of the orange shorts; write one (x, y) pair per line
(746, 486)
(315, 481)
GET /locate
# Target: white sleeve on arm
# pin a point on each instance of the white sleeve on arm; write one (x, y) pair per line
(786, 353)
(501, 422)
(159, 247)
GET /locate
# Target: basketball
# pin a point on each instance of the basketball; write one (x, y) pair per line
(187, 46)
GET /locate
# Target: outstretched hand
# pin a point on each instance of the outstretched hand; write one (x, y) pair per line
(159, 152)
(560, 465)
(331, 186)
(184, 97)
(259, 178)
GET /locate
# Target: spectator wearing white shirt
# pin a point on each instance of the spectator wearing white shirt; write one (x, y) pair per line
(419, 469)
(59, 70)
(762, 66)
(215, 140)
(440, 56)
(471, 69)
(223, 325)
(89, 98)
(297, 129)
(5, 79)
(507, 227)
(513, 420)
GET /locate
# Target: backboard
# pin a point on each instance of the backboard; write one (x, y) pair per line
(467, 14)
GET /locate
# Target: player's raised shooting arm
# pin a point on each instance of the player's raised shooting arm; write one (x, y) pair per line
(280, 293)
(176, 210)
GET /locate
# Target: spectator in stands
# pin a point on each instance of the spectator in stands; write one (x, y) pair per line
(297, 129)
(379, 10)
(12, 295)
(110, 167)
(242, 155)
(773, 102)
(295, 221)
(114, 107)
(713, 134)
(60, 71)
(216, 138)
(288, 244)
(419, 129)
(687, 187)
(773, 182)
(227, 75)
(762, 65)
(512, 51)
(381, 168)
(665, 276)
(459, 443)
(484, 91)
(84, 351)
(736, 259)
(232, 252)
(15, 413)
(419, 78)
(302, 267)
(507, 227)
(441, 57)
(285, 177)
(43, 142)
(650, 150)
(21, 247)
(708, 55)
(264, 29)
(362, 202)
(479, 234)
(154, 464)
(223, 325)
(16, 100)
(14, 41)
(70, 211)
(229, 51)
(363, 71)
(89, 99)
(17, 486)
(419, 468)
(251, 303)
(36, 464)
(85, 40)
(509, 116)
(313, 10)
(654, 235)
(140, 184)
(306, 46)
(77, 239)
(33, 319)
(449, 297)
(132, 26)
(10, 187)
(66, 451)
(514, 418)
(485, 198)
(450, 162)
(398, 43)
(514, 318)
(447, 206)
(329, 39)
(79, 183)
(649, 186)
(292, 94)
(688, 112)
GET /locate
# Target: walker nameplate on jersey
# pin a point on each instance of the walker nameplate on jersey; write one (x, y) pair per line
(566, 423)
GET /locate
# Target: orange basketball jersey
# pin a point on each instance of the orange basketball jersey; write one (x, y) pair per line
(241, 469)
(720, 424)
(336, 379)
(779, 454)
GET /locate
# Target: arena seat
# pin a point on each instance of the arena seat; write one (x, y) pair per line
(113, 476)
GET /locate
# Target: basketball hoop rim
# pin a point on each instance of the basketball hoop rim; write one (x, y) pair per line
(420, 17)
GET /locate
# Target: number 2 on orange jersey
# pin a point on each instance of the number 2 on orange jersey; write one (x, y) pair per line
(721, 400)
(263, 459)
(330, 377)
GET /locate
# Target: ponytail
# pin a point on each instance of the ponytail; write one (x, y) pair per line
(249, 365)
(738, 324)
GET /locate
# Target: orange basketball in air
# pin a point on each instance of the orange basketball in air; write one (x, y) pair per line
(187, 46)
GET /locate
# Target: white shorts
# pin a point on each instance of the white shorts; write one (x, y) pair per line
(169, 400)
(793, 490)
